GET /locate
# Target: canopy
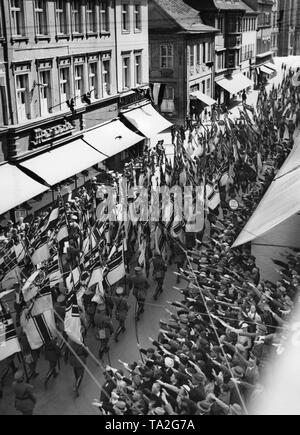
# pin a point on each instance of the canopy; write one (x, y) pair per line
(112, 138)
(204, 98)
(266, 70)
(270, 65)
(147, 120)
(281, 201)
(16, 187)
(237, 83)
(61, 163)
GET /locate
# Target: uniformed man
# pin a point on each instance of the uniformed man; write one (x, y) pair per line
(122, 309)
(140, 285)
(104, 329)
(159, 272)
(25, 399)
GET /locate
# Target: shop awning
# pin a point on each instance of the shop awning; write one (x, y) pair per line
(266, 70)
(61, 163)
(236, 83)
(204, 98)
(16, 187)
(281, 201)
(270, 65)
(112, 138)
(267, 53)
(147, 120)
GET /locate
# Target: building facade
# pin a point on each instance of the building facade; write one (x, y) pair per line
(233, 56)
(289, 27)
(181, 59)
(248, 51)
(264, 52)
(67, 66)
(181, 51)
(275, 28)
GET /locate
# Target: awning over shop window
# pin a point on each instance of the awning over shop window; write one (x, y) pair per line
(61, 163)
(270, 66)
(204, 98)
(237, 83)
(266, 70)
(281, 201)
(16, 187)
(112, 138)
(147, 120)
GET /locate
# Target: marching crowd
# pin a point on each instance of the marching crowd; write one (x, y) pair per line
(210, 355)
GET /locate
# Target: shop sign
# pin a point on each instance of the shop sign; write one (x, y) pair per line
(42, 136)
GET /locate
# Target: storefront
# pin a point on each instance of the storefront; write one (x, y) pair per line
(234, 85)
(64, 167)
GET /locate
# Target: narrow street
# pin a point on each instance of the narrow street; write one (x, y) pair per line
(59, 398)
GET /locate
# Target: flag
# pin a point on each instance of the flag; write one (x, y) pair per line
(73, 280)
(115, 267)
(213, 196)
(72, 322)
(43, 301)
(98, 297)
(40, 248)
(31, 286)
(9, 343)
(53, 270)
(20, 252)
(11, 278)
(158, 92)
(160, 241)
(8, 261)
(53, 219)
(39, 329)
(63, 232)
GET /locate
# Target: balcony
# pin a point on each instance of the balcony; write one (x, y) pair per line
(233, 41)
(167, 72)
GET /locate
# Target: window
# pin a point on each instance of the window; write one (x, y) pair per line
(106, 78)
(126, 72)
(208, 87)
(40, 17)
(91, 23)
(138, 69)
(79, 83)
(168, 105)
(61, 17)
(209, 52)
(104, 17)
(221, 24)
(93, 80)
(64, 81)
(198, 54)
(203, 87)
(76, 17)
(192, 56)
(45, 92)
(17, 17)
(166, 56)
(137, 17)
(203, 53)
(220, 61)
(125, 17)
(22, 97)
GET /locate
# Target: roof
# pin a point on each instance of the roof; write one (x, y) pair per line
(211, 5)
(185, 16)
(248, 8)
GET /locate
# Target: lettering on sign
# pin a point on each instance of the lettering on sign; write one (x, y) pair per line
(41, 136)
